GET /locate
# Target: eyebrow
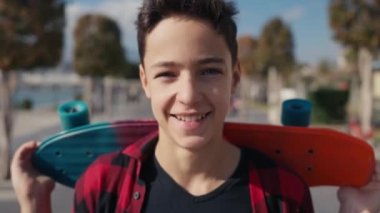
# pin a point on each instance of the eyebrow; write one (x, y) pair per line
(202, 61)
(165, 64)
(211, 60)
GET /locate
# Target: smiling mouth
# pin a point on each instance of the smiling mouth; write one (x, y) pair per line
(191, 118)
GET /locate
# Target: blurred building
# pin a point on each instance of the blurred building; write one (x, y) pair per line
(376, 93)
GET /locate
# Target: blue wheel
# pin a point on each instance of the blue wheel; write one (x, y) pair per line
(296, 112)
(73, 114)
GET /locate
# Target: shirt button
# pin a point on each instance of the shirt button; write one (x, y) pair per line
(136, 195)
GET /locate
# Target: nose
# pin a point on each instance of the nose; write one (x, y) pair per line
(189, 91)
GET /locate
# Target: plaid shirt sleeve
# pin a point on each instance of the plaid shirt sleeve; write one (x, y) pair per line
(285, 192)
(96, 190)
(274, 188)
(111, 183)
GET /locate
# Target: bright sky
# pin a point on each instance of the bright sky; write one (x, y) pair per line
(308, 20)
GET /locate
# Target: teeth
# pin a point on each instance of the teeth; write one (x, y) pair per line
(191, 118)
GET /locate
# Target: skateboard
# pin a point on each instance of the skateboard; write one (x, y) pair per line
(320, 156)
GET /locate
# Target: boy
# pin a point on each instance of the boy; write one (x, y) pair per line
(188, 70)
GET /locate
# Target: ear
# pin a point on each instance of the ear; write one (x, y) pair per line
(144, 80)
(235, 77)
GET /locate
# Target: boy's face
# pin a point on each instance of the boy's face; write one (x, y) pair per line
(189, 77)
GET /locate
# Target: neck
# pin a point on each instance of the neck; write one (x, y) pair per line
(198, 171)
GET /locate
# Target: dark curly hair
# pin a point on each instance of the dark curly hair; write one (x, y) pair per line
(217, 12)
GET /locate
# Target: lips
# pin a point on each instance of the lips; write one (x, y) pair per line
(191, 117)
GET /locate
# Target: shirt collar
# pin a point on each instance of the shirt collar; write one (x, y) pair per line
(142, 148)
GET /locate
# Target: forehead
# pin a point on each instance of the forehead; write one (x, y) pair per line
(184, 39)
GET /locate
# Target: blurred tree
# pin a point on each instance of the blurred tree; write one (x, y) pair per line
(98, 51)
(356, 25)
(325, 67)
(325, 71)
(275, 60)
(350, 56)
(131, 71)
(31, 35)
(276, 48)
(247, 46)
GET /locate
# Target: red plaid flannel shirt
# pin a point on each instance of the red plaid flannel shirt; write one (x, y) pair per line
(112, 183)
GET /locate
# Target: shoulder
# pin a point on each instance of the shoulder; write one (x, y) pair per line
(99, 184)
(271, 169)
(117, 159)
(276, 179)
(109, 162)
(103, 169)
(265, 164)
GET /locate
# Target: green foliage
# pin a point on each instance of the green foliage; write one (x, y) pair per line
(31, 33)
(356, 23)
(276, 47)
(329, 105)
(98, 50)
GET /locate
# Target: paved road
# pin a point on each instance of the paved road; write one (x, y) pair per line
(324, 198)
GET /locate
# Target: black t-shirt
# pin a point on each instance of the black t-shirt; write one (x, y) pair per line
(164, 195)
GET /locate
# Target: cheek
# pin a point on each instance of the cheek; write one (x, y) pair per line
(161, 101)
(220, 95)
(157, 101)
(158, 109)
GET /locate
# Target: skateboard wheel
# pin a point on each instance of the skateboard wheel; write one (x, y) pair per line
(296, 112)
(73, 114)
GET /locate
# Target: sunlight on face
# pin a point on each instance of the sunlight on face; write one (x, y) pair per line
(189, 78)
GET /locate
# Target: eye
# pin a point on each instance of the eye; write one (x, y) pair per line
(211, 71)
(165, 74)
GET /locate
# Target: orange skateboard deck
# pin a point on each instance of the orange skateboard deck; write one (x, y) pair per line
(321, 156)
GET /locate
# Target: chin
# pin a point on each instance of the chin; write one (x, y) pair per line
(193, 143)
